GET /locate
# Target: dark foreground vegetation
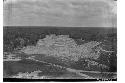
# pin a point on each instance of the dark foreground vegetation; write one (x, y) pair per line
(16, 37)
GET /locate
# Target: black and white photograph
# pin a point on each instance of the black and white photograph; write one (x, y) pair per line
(59, 40)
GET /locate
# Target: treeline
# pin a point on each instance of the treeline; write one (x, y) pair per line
(22, 36)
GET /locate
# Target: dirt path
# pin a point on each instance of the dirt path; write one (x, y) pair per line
(81, 73)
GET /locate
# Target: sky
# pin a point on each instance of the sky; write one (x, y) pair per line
(65, 13)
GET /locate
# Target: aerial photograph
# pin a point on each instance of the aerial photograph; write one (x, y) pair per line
(59, 40)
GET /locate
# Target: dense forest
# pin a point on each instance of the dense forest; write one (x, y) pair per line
(16, 37)
(30, 35)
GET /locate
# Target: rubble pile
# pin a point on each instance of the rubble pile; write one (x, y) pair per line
(63, 47)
